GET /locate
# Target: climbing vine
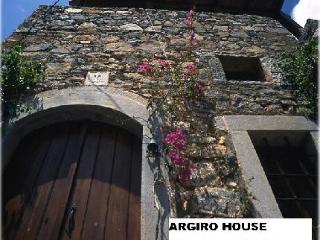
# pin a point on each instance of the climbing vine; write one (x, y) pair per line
(178, 81)
(19, 77)
(301, 68)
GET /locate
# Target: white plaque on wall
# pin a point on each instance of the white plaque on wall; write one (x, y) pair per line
(97, 78)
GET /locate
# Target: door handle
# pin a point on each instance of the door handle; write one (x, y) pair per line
(70, 220)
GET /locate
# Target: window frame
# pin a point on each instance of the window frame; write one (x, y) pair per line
(264, 202)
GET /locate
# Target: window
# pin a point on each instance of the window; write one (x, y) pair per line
(242, 68)
(290, 164)
(278, 159)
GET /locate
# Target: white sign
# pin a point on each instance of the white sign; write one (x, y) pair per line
(240, 229)
(97, 78)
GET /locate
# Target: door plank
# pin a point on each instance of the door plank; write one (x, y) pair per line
(135, 188)
(98, 171)
(99, 194)
(58, 202)
(21, 173)
(82, 185)
(32, 217)
(116, 223)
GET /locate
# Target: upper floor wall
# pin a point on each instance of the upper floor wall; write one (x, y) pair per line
(90, 35)
(76, 41)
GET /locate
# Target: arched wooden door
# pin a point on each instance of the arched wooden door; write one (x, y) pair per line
(74, 180)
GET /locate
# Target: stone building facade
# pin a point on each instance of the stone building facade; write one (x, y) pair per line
(75, 42)
(99, 49)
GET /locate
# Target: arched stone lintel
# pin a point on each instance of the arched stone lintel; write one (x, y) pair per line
(108, 105)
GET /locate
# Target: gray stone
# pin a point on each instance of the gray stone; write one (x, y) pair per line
(38, 47)
(198, 27)
(168, 24)
(123, 12)
(130, 27)
(216, 202)
(73, 10)
(60, 49)
(153, 29)
(229, 167)
(204, 173)
(58, 68)
(78, 17)
(151, 47)
(178, 42)
(221, 28)
(311, 30)
(119, 47)
(87, 26)
(240, 34)
(207, 151)
(85, 42)
(157, 23)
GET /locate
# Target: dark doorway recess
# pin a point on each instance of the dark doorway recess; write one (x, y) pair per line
(242, 68)
(73, 180)
(291, 166)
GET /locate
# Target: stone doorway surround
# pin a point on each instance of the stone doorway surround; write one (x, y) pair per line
(239, 126)
(108, 105)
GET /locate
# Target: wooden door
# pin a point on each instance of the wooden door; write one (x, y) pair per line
(74, 180)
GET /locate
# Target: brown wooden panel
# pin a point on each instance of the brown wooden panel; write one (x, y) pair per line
(135, 192)
(116, 223)
(95, 167)
(55, 211)
(32, 216)
(13, 194)
(94, 224)
(82, 186)
(19, 178)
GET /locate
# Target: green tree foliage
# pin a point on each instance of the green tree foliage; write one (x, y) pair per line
(19, 77)
(301, 68)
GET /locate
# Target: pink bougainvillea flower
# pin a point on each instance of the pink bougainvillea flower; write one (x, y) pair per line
(191, 68)
(189, 19)
(193, 41)
(145, 68)
(190, 13)
(188, 22)
(185, 174)
(184, 77)
(176, 139)
(176, 158)
(163, 63)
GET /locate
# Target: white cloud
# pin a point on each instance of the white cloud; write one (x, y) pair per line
(306, 9)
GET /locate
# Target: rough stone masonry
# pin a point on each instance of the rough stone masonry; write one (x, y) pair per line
(104, 46)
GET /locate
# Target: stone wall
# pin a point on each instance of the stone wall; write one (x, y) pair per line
(113, 42)
(311, 30)
(74, 42)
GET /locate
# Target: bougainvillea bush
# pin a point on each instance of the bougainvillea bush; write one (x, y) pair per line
(180, 77)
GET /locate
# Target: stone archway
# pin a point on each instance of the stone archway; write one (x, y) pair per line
(106, 105)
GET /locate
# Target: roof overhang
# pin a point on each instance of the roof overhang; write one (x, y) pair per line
(266, 7)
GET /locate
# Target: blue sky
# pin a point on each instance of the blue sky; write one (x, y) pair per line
(14, 12)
